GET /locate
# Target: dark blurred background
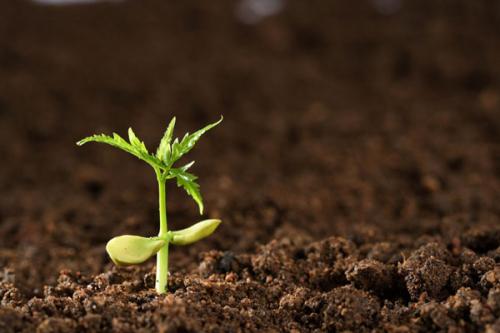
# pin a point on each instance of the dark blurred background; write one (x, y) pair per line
(369, 119)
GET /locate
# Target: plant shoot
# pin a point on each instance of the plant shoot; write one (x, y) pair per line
(133, 250)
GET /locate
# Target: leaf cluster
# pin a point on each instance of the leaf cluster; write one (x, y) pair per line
(168, 152)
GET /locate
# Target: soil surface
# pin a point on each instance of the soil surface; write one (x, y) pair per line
(357, 172)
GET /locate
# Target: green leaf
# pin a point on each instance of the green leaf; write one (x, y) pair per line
(135, 142)
(187, 166)
(195, 232)
(187, 143)
(187, 181)
(163, 151)
(136, 147)
(132, 250)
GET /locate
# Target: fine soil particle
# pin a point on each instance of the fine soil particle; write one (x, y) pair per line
(357, 171)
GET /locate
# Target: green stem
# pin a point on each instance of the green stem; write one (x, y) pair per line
(162, 255)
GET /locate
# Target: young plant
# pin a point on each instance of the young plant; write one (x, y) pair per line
(132, 250)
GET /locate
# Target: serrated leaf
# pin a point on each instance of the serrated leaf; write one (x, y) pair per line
(187, 166)
(187, 181)
(135, 142)
(135, 147)
(187, 143)
(163, 151)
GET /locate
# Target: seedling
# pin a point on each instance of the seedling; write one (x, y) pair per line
(133, 250)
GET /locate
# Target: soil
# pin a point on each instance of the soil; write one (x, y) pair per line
(357, 172)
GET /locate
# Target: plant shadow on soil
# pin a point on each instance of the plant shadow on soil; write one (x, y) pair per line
(357, 171)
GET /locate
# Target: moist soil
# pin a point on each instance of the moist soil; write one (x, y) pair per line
(357, 171)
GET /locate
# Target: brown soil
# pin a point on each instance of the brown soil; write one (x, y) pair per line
(357, 171)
